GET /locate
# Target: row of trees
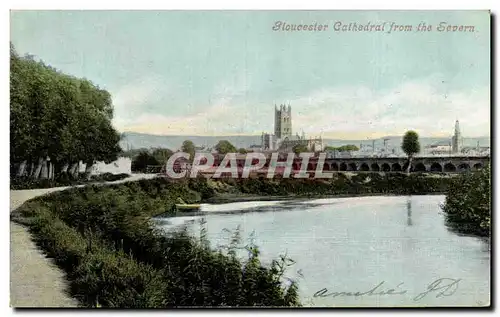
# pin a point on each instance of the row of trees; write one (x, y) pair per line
(56, 121)
(343, 148)
(142, 158)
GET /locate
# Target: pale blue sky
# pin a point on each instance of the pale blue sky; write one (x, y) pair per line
(220, 73)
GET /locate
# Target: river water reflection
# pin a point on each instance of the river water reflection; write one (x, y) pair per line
(353, 251)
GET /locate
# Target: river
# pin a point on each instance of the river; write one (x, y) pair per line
(353, 251)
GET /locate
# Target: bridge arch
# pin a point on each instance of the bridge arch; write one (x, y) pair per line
(353, 167)
(420, 167)
(326, 167)
(436, 167)
(405, 167)
(464, 167)
(375, 167)
(335, 167)
(396, 167)
(449, 167)
(311, 167)
(364, 167)
(478, 166)
(343, 167)
(386, 167)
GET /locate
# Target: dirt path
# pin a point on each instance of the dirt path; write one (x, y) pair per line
(35, 281)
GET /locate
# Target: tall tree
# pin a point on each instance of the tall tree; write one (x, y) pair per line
(411, 146)
(162, 155)
(224, 147)
(188, 147)
(56, 116)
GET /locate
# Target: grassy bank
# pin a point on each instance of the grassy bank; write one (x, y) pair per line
(342, 184)
(63, 180)
(102, 237)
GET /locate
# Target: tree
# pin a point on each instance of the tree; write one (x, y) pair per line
(343, 148)
(141, 162)
(299, 148)
(348, 148)
(162, 155)
(242, 151)
(224, 147)
(58, 117)
(468, 203)
(410, 146)
(132, 153)
(188, 147)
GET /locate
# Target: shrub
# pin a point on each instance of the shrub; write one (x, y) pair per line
(63, 179)
(468, 203)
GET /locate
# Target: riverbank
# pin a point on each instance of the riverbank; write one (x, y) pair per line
(102, 238)
(235, 198)
(96, 230)
(64, 180)
(35, 279)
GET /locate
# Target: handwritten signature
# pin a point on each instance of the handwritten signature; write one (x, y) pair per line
(441, 288)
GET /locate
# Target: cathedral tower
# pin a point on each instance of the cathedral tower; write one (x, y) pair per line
(282, 121)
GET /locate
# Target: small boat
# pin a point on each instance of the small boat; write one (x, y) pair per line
(182, 206)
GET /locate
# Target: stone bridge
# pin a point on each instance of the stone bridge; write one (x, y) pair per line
(433, 164)
(396, 164)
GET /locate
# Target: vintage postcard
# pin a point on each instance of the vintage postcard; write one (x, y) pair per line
(163, 159)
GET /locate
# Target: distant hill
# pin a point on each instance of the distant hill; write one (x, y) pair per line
(133, 140)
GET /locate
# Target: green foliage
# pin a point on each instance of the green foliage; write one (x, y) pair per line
(188, 147)
(299, 148)
(224, 147)
(468, 203)
(242, 151)
(162, 155)
(132, 153)
(57, 115)
(411, 144)
(142, 160)
(103, 238)
(63, 179)
(343, 148)
(340, 184)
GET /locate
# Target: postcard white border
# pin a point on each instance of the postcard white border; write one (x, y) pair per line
(191, 5)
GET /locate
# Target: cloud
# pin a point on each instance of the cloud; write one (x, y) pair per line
(426, 106)
(131, 100)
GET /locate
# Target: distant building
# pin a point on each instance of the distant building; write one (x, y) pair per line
(283, 121)
(283, 139)
(254, 148)
(456, 140)
(440, 148)
(454, 146)
(267, 142)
